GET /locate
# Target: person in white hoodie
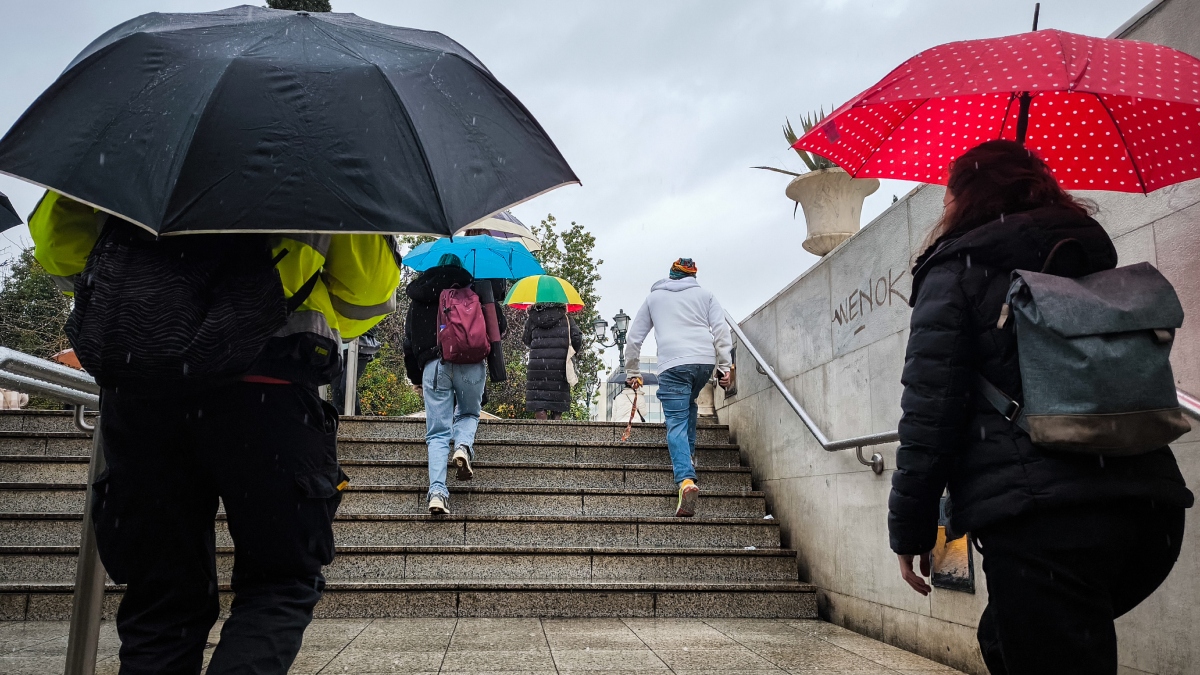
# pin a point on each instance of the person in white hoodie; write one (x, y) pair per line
(693, 339)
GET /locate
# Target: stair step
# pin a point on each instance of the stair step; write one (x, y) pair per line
(548, 452)
(40, 529)
(76, 444)
(472, 500)
(413, 428)
(27, 469)
(32, 564)
(488, 598)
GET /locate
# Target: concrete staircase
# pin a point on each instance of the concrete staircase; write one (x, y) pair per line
(562, 519)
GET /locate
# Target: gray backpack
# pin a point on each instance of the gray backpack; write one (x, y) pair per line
(1095, 361)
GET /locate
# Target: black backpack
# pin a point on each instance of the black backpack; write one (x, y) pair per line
(191, 310)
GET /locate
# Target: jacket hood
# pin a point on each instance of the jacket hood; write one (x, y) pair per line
(429, 286)
(1021, 241)
(675, 285)
(546, 316)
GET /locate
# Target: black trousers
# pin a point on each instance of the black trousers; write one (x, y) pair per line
(1057, 580)
(268, 451)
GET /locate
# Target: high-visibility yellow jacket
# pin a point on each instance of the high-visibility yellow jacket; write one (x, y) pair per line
(357, 273)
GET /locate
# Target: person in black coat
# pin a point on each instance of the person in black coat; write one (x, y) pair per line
(1069, 541)
(549, 332)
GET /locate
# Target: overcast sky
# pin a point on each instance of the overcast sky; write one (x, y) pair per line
(660, 106)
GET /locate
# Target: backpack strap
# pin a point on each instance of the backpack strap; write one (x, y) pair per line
(1003, 403)
(302, 293)
(293, 303)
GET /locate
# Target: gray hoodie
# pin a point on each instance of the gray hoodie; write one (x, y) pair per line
(689, 327)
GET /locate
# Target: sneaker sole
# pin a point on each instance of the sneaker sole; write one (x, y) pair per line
(687, 505)
(464, 472)
(435, 511)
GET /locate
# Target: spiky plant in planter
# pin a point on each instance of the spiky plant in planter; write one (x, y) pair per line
(813, 162)
(832, 199)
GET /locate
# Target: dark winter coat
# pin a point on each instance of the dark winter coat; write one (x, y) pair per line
(950, 436)
(421, 323)
(548, 334)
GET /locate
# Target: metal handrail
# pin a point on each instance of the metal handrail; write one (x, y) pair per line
(1188, 403)
(32, 375)
(857, 442)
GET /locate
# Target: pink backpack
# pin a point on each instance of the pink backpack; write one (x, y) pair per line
(462, 333)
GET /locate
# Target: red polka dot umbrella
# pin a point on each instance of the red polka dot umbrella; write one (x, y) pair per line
(1105, 114)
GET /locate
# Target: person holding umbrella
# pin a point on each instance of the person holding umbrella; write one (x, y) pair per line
(1071, 540)
(553, 338)
(224, 187)
(453, 391)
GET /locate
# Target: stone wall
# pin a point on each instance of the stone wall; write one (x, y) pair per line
(836, 337)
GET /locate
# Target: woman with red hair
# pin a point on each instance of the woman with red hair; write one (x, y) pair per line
(1069, 542)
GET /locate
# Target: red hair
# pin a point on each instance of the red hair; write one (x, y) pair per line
(997, 178)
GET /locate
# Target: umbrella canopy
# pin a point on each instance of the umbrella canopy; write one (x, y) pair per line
(253, 119)
(1114, 115)
(544, 289)
(8, 215)
(505, 225)
(483, 256)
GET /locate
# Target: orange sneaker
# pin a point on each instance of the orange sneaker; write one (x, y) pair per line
(689, 499)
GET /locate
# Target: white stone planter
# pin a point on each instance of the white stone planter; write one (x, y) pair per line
(832, 203)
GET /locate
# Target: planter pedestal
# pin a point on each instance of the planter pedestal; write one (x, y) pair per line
(832, 203)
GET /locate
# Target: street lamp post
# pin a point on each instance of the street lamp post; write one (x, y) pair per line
(619, 330)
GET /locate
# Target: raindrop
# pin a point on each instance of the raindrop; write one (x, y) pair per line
(102, 159)
(185, 369)
(128, 356)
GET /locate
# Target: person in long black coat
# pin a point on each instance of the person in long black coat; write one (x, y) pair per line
(1070, 541)
(549, 332)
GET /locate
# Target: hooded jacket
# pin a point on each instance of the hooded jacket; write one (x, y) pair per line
(952, 437)
(689, 327)
(421, 322)
(549, 333)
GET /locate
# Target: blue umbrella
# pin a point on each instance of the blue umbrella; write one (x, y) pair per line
(484, 257)
(8, 215)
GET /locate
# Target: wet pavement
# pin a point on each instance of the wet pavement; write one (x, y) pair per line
(531, 646)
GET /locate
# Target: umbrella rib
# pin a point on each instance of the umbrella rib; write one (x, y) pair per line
(877, 147)
(1124, 143)
(1012, 96)
(420, 146)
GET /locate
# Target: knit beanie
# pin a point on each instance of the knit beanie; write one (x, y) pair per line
(684, 267)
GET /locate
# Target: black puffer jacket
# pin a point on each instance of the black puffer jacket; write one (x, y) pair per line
(421, 323)
(949, 436)
(548, 334)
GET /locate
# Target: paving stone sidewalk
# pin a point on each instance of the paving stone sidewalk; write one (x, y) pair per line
(681, 646)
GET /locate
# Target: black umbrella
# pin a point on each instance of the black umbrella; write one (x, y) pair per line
(8, 215)
(253, 119)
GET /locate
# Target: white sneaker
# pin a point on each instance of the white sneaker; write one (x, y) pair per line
(437, 506)
(462, 460)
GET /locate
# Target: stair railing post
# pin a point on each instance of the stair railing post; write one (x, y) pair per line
(351, 376)
(88, 602)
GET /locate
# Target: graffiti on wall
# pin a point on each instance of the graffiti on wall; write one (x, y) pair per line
(856, 308)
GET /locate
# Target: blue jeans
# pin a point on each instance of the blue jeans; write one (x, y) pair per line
(453, 394)
(678, 389)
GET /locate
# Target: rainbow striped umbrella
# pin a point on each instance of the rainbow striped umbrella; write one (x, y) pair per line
(544, 288)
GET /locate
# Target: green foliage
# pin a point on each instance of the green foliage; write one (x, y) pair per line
(807, 122)
(568, 254)
(32, 312)
(301, 5)
(384, 388)
(814, 162)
